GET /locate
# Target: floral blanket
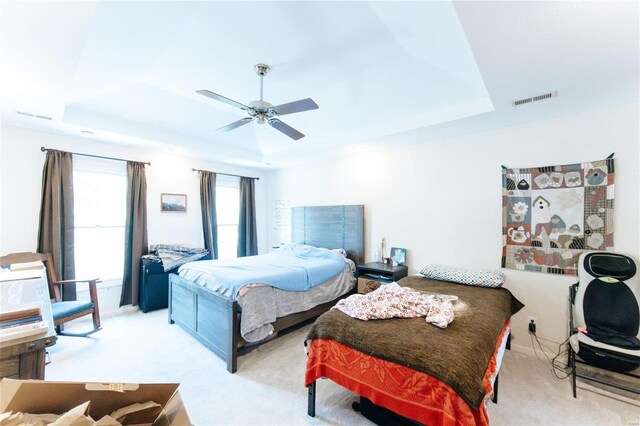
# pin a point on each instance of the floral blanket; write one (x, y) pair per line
(393, 301)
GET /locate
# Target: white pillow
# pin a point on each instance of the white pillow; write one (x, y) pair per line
(468, 276)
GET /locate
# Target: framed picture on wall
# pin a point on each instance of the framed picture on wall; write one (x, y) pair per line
(173, 202)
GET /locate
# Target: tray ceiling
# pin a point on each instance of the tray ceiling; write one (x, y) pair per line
(129, 70)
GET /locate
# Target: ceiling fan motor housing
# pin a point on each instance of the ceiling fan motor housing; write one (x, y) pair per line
(261, 110)
(260, 106)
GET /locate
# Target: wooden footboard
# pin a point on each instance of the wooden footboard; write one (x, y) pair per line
(209, 317)
(214, 320)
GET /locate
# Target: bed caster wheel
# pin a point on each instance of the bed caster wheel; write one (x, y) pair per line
(356, 406)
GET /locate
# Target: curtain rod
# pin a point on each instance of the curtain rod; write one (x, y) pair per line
(226, 174)
(43, 149)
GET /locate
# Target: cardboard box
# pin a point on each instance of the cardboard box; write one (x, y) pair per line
(39, 397)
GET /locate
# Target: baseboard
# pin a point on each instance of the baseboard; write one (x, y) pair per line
(528, 350)
(108, 296)
(522, 349)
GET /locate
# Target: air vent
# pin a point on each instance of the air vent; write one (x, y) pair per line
(535, 98)
(28, 114)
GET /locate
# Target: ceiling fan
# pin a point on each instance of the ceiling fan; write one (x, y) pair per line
(262, 111)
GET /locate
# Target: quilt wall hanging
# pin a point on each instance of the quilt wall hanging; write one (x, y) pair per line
(552, 214)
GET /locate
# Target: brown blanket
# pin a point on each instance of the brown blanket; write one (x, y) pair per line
(458, 355)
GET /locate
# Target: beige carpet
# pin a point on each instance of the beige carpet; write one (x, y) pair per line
(268, 387)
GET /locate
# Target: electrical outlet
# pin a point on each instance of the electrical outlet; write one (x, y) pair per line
(532, 325)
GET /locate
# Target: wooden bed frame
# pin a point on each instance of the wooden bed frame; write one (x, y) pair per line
(214, 319)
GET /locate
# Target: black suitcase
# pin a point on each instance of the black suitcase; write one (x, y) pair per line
(154, 286)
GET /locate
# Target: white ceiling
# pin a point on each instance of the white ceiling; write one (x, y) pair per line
(381, 72)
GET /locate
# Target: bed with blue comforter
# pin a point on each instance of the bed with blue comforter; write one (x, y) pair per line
(228, 304)
(291, 267)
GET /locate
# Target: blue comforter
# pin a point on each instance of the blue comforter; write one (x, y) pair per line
(292, 267)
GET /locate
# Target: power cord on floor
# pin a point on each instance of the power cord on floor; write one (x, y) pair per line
(556, 367)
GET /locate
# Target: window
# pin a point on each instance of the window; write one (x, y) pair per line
(99, 192)
(227, 213)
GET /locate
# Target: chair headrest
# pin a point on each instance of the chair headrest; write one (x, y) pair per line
(609, 265)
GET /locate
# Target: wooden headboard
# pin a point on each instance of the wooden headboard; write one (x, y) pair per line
(330, 227)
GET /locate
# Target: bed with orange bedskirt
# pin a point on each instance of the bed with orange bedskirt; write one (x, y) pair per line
(430, 375)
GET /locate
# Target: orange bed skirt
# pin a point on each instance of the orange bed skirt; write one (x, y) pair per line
(401, 389)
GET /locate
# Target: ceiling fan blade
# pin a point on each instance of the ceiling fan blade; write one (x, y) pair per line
(221, 98)
(296, 106)
(286, 129)
(235, 124)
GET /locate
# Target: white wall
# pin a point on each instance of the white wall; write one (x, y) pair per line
(442, 199)
(21, 164)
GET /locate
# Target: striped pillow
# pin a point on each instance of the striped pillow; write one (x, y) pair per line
(468, 276)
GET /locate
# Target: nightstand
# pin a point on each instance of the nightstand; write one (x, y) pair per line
(372, 275)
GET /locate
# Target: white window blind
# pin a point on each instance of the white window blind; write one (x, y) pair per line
(227, 213)
(99, 191)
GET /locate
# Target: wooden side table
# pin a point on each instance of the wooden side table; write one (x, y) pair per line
(372, 275)
(25, 358)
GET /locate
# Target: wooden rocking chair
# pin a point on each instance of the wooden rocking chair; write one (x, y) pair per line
(63, 311)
